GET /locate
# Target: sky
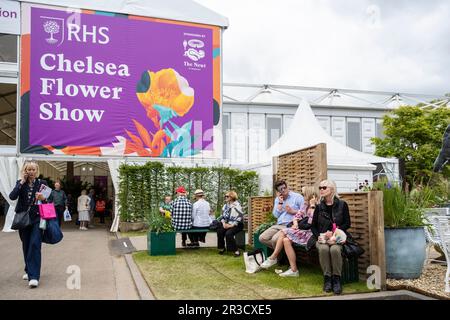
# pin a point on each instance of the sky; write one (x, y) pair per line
(398, 46)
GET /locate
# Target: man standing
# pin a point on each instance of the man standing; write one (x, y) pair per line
(59, 201)
(285, 207)
(182, 213)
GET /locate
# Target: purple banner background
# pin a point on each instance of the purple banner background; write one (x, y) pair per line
(142, 45)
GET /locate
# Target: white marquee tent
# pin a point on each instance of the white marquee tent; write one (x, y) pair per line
(180, 10)
(346, 166)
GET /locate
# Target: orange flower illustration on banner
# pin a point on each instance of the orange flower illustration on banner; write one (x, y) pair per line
(167, 90)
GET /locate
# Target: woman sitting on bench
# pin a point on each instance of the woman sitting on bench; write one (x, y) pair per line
(331, 213)
(295, 234)
(231, 222)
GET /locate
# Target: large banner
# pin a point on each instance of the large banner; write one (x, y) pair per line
(94, 83)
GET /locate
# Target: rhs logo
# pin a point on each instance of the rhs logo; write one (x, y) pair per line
(55, 29)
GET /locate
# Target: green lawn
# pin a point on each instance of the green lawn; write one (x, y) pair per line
(204, 274)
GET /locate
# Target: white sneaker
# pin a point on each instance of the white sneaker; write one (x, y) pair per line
(33, 283)
(25, 277)
(289, 273)
(268, 263)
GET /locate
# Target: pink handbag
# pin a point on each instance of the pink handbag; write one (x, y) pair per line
(47, 211)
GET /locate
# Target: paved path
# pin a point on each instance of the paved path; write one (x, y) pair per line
(103, 276)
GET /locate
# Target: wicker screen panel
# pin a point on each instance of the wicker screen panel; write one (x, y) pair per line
(358, 206)
(305, 167)
(259, 207)
(367, 219)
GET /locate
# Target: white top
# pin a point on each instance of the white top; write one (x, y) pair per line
(83, 203)
(200, 213)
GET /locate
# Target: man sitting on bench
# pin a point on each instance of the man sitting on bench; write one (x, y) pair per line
(286, 205)
(182, 213)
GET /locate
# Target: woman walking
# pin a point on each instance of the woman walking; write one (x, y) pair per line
(26, 191)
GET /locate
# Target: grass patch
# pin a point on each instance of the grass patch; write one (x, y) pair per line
(203, 274)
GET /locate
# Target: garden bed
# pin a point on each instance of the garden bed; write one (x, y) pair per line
(203, 274)
(430, 283)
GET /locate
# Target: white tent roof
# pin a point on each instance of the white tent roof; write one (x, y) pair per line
(180, 10)
(305, 131)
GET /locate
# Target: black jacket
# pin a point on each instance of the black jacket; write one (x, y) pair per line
(322, 222)
(20, 191)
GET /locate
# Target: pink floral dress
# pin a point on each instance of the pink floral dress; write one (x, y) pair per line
(298, 236)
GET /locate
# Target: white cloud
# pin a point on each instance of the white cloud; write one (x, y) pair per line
(375, 45)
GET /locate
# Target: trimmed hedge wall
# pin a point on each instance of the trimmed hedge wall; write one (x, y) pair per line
(143, 187)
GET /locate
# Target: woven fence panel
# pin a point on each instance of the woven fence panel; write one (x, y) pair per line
(358, 205)
(305, 167)
(259, 209)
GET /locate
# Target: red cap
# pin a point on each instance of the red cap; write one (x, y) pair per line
(180, 190)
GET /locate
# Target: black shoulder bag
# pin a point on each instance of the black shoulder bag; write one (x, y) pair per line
(351, 249)
(21, 219)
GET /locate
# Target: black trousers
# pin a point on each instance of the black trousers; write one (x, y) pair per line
(228, 234)
(195, 237)
(60, 213)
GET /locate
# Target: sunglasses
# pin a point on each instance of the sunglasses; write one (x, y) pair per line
(323, 188)
(227, 196)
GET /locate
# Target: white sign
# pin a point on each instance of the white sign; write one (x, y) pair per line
(9, 17)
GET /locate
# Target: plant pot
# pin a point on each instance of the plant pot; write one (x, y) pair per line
(131, 226)
(161, 244)
(405, 252)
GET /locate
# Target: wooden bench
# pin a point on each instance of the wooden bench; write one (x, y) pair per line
(240, 236)
(349, 266)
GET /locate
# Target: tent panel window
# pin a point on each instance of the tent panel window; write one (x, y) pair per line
(354, 133)
(287, 121)
(338, 129)
(273, 129)
(8, 48)
(256, 137)
(325, 123)
(226, 135)
(238, 138)
(380, 133)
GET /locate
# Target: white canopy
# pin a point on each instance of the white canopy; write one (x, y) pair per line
(180, 10)
(305, 131)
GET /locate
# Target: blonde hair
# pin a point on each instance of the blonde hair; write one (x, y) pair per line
(330, 184)
(309, 193)
(233, 195)
(31, 163)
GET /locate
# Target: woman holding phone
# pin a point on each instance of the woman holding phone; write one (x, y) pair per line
(27, 192)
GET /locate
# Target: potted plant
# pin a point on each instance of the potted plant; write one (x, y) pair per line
(405, 243)
(161, 235)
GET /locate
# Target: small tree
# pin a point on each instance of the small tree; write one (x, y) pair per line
(414, 133)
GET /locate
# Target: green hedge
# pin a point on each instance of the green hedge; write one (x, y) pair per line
(142, 187)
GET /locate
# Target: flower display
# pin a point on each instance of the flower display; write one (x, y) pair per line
(166, 88)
